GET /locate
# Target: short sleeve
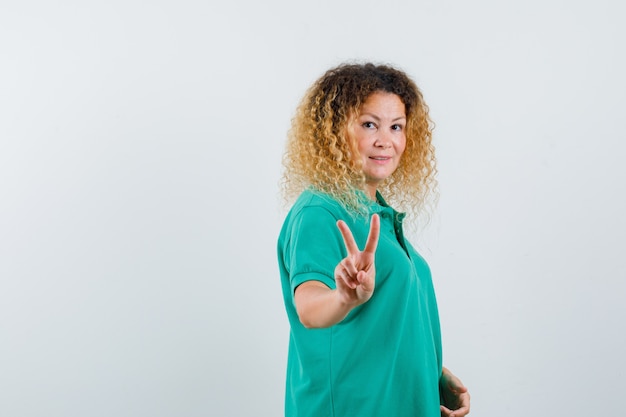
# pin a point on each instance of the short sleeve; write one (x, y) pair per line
(314, 247)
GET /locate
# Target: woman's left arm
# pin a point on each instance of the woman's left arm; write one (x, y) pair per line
(455, 398)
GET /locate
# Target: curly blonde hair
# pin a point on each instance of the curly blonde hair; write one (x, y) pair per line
(320, 154)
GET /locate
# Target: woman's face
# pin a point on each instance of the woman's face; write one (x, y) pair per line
(379, 134)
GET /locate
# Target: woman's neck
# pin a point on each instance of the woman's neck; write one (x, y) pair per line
(370, 191)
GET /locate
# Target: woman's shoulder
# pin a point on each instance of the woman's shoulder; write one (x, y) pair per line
(314, 198)
(312, 210)
(317, 204)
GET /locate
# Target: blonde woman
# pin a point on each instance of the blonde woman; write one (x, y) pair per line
(365, 337)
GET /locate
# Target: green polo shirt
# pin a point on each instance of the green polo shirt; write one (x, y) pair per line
(384, 358)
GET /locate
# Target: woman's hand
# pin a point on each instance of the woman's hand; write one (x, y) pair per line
(355, 275)
(454, 396)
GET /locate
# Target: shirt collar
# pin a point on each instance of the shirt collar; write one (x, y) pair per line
(381, 206)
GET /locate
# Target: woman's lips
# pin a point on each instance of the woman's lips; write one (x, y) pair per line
(380, 159)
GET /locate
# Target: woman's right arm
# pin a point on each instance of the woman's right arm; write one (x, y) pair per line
(355, 278)
(319, 306)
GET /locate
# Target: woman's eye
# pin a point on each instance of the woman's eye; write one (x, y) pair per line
(397, 127)
(369, 125)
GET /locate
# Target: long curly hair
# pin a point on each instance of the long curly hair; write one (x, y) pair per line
(321, 155)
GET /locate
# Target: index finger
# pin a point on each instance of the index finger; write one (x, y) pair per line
(372, 237)
(348, 239)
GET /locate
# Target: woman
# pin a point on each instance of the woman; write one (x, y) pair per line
(365, 337)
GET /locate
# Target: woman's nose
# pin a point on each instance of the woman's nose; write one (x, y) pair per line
(382, 141)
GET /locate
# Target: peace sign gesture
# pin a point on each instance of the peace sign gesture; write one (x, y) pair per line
(355, 275)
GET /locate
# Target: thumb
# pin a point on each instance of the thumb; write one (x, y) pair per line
(445, 411)
(364, 280)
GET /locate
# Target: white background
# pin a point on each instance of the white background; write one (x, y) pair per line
(140, 148)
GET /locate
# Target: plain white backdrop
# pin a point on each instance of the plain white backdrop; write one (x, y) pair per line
(140, 151)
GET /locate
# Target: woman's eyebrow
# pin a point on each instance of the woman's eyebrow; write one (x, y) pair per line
(373, 116)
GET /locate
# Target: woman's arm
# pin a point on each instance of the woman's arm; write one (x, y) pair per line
(318, 306)
(355, 278)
